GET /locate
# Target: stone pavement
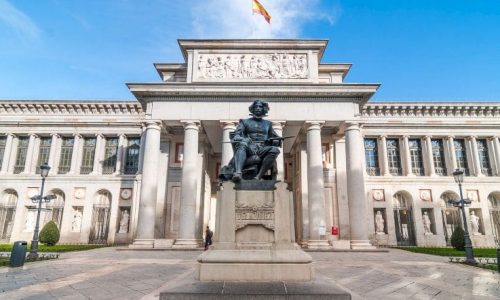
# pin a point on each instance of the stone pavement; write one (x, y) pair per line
(111, 274)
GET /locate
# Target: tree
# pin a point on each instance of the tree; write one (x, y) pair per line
(50, 234)
(457, 239)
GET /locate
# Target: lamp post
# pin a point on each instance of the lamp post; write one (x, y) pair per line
(459, 178)
(44, 172)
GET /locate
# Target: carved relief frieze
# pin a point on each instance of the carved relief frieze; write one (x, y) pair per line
(252, 66)
(254, 210)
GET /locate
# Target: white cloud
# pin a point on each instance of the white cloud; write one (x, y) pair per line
(234, 18)
(18, 21)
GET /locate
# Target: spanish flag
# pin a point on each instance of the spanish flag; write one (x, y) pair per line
(259, 8)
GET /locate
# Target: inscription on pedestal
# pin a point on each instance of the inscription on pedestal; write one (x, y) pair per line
(254, 208)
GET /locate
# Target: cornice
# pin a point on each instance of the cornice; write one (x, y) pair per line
(431, 110)
(70, 108)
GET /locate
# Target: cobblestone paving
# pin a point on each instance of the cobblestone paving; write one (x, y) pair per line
(111, 274)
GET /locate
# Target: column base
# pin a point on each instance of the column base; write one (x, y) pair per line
(187, 244)
(318, 245)
(361, 245)
(142, 244)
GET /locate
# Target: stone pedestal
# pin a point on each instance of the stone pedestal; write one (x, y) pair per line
(253, 240)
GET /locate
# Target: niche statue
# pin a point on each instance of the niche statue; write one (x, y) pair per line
(255, 146)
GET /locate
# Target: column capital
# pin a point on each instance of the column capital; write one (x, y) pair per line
(191, 124)
(352, 125)
(278, 124)
(56, 135)
(99, 135)
(382, 136)
(405, 136)
(32, 134)
(77, 135)
(152, 124)
(450, 137)
(228, 124)
(471, 138)
(428, 137)
(10, 134)
(314, 125)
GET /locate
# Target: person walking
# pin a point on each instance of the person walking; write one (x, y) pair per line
(208, 237)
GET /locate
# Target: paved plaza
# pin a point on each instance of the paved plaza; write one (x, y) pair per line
(112, 274)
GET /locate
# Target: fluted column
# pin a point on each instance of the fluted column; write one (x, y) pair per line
(186, 237)
(120, 154)
(358, 210)
(382, 157)
(52, 153)
(315, 186)
(452, 156)
(98, 156)
(7, 153)
(280, 162)
(74, 169)
(430, 159)
(29, 153)
(149, 187)
(407, 156)
(227, 148)
(475, 156)
(496, 146)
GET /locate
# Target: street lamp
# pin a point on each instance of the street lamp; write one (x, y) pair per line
(460, 203)
(44, 172)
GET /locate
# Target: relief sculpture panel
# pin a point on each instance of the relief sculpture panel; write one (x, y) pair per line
(255, 209)
(252, 66)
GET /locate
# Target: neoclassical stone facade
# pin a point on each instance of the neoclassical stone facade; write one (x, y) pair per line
(144, 172)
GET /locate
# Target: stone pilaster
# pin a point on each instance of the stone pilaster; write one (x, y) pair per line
(280, 162)
(52, 153)
(431, 170)
(382, 156)
(227, 148)
(315, 186)
(149, 187)
(496, 146)
(452, 156)
(406, 157)
(7, 153)
(29, 153)
(75, 168)
(358, 210)
(475, 156)
(120, 154)
(99, 154)
(186, 237)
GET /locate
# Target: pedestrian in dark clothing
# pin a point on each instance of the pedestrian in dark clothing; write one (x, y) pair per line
(208, 237)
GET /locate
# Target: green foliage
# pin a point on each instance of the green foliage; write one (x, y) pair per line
(57, 248)
(457, 239)
(50, 234)
(449, 251)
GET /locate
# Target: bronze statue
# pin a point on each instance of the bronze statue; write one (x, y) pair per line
(256, 147)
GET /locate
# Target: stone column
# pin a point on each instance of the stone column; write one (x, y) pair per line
(98, 156)
(315, 186)
(120, 154)
(7, 153)
(52, 153)
(149, 186)
(186, 237)
(407, 157)
(382, 157)
(358, 210)
(452, 156)
(430, 159)
(280, 162)
(496, 146)
(227, 148)
(29, 153)
(75, 168)
(475, 156)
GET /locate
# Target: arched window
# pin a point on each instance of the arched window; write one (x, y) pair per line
(55, 208)
(403, 219)
(450, 214)
(494, 205)
(100, 218)
(8, 203)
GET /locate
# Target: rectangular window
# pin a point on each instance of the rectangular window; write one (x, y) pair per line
(43, 154)
(371, 157)
(88, 155)
(417, 166)
(484, 159)
(461, 156)
(393, 157)
(22, 151)
(132, 156)
(438, 157)
(3, 141)
(110, 150)
(179, 152)
(66, 155)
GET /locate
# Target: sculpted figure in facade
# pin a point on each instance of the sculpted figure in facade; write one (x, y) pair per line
(427, 223)
(474, 222)
(77, 221)
(124, 222)
(255, 145)
(379, 223)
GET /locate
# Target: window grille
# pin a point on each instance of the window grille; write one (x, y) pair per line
(438, 157)
(88, 155)
(371, 157)
(132, 156)
(22, 151)
(417, 166)
(111, 148)
(393, 156)
(461, 156)
(43, 154)
(484, 159)
(66, 155)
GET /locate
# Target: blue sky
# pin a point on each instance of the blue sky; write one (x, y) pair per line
(424, 50)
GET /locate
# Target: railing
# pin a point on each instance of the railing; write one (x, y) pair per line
(63, 169)
(486, 171)
(440, 171)
(130, 170)
(395, 171)
(373, 171)
(417, 171)
(108, 170)
(86, 170)
(18, 169)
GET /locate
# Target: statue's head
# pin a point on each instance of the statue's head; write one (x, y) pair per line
(259, 108)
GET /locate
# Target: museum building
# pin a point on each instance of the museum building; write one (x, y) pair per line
(145, 172)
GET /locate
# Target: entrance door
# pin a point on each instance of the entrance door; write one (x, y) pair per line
(100, 219)
(403, 221)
